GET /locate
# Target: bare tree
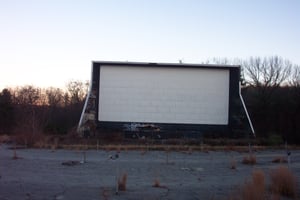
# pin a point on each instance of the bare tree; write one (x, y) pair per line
(267, 72)
(55, 97)
(77, 91)
(295, 78)
(265, 76)
(27, 95)
(28, 101)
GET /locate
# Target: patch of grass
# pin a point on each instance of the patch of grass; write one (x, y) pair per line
(249, 159)
(28, 139)
(229, 148)
(275, 197)
(274, 140)
(279, 159)
(4, 139)
(283, 182)
(122, 182)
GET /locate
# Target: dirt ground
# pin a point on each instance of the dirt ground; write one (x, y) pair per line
(40, 174)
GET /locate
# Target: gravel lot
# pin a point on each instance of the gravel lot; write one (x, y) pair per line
(39, 174)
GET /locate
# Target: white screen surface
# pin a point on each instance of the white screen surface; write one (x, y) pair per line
(163, 95)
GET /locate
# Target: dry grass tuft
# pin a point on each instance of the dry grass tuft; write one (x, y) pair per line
(105, 193)
(143, 151)
(258, 179)
(53, 148)
(249, 192)
(190, 151)
(283, 182)
(232, 163)
(253, 189)
(279, 159)
(122, 182)
(118, 149)
(15, 157)
(167, 150)
(156, 183)
(249, 160)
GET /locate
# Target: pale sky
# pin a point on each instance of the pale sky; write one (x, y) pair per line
(50, 42)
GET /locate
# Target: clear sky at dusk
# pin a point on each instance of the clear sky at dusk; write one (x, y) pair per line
(49, 42)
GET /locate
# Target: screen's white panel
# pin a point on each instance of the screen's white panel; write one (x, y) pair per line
(164, 95)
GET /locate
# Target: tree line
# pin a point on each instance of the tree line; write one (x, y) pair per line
(270, 88)
(32, 110)
(272, 95)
